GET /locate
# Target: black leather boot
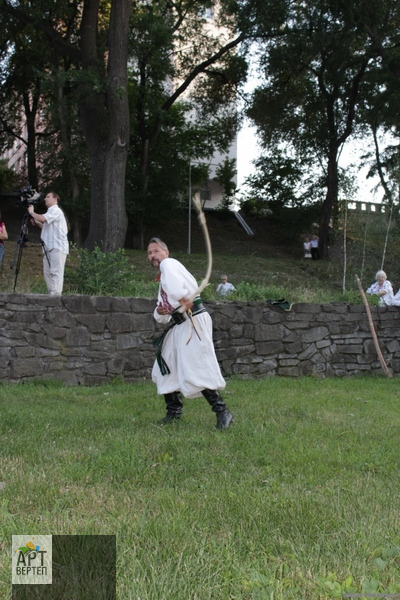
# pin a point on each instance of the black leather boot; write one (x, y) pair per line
(224, 417)
(174, 408)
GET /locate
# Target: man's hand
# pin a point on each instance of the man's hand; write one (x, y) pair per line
(162, 310)
(186, 303)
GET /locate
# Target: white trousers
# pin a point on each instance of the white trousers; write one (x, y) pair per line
(191, 359)
(53, 271)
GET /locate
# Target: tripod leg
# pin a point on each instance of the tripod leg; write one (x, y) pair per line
(16, 262)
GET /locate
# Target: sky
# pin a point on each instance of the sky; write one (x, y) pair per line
(248, 150)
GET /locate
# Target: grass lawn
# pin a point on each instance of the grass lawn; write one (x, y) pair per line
(299, 499)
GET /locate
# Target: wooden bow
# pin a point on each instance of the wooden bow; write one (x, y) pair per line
(203, 224)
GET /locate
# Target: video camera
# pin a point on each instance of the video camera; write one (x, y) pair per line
(28, 197)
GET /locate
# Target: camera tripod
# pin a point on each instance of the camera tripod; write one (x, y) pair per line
(21, 242)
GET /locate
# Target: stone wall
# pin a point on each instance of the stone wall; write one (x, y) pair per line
(93, 340)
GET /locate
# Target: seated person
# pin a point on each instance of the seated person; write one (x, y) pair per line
(396, 299)
(382, 288)
(224, 288)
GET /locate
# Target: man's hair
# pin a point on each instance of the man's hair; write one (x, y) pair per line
(56, 196)
(156, 240)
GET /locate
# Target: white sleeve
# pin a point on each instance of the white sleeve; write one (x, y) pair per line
(387, 286)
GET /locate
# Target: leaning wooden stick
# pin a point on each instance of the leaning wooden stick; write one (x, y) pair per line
(384, 366)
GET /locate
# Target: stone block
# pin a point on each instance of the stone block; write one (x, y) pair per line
(301, 307)
(250, 314)
(95, 323)
(266, 333)
(125, 341)
(226, 309)
(248, 360)
(271, 317)
(290, 362)
(305, 368)
(56, 333)
(288, 372)
(62, 318)
(268, 348)
(335, 309)
(79, 304)
(293, 348)
(95, 369)
(315, 334)
(350, 348)
(222, 322)
(323, 343)
(115, 366)
(77, 336)
(294, 325)
(40, 340)
(308, 352)
(142, 322)
(142, 305)
(28, 367)
(393, 346)
(119, 323)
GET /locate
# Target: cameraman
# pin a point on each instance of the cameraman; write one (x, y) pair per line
(54, 241)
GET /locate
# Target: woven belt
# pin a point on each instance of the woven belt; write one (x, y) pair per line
(180, 317)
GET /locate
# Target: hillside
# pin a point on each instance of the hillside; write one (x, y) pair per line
(264, 258)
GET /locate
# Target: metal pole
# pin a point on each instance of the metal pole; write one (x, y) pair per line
(190, 209)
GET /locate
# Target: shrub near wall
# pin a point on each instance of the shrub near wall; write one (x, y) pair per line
(92, 340)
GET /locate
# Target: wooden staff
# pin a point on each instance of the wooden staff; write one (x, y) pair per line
(384, 366)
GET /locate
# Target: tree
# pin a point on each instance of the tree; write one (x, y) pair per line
(97, 42)
(313, 76)
(94, 37)
(184, 74)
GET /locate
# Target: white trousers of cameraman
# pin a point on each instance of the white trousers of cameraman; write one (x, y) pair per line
(53, 271)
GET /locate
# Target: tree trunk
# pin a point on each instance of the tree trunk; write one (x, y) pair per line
(329, 202)
(30, 109)
(105, 120)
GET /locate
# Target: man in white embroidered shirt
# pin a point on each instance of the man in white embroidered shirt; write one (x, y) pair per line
(186, 364)
(54, 241)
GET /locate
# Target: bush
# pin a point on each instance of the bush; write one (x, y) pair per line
(100, 273)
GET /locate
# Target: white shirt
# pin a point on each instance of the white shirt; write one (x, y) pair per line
(175, 283)
(188, 350)
(386, 286)
(55, 230)
(224, 288)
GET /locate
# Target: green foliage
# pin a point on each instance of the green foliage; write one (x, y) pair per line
(7, 177)
(100, 273)
(258, 293)
(224, 175)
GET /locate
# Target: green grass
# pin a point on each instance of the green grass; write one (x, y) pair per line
(256, 278)
(299, 499)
